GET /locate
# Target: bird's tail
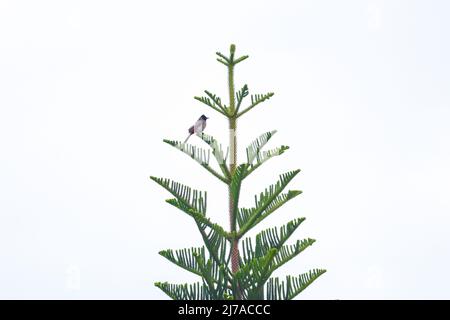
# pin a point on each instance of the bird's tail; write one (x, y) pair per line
(187, 138)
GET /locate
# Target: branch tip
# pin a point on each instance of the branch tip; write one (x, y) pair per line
(232, 48)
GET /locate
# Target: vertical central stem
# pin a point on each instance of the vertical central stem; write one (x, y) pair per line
(233, 201)
(231, 88)
(233, 156)
(233, 161)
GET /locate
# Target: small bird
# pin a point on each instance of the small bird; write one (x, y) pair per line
(198, 126)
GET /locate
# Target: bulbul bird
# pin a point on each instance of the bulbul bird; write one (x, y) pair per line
(198, 126)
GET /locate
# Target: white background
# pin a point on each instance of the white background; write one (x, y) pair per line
(88, 90)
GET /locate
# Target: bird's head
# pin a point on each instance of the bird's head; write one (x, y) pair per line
(203, 117)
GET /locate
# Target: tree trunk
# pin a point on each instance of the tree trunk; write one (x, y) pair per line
(233, 162)
(232, 201)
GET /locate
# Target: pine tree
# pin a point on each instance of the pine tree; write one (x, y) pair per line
(230, 264)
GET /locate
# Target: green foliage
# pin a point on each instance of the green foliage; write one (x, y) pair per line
(218, 154)
(256, 156)
(187, 198)
(254, 149)
(289, 289)
(267, 202)
(267, 239)
(184, 258)
(202, 156)
(195, 291)
(214, 102)
(250, 276)
(235, 188)
(256, 99)
(240, 95)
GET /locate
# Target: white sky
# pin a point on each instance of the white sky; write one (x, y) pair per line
(88, 90)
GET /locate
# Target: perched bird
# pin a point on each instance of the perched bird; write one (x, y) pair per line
(198, 126)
